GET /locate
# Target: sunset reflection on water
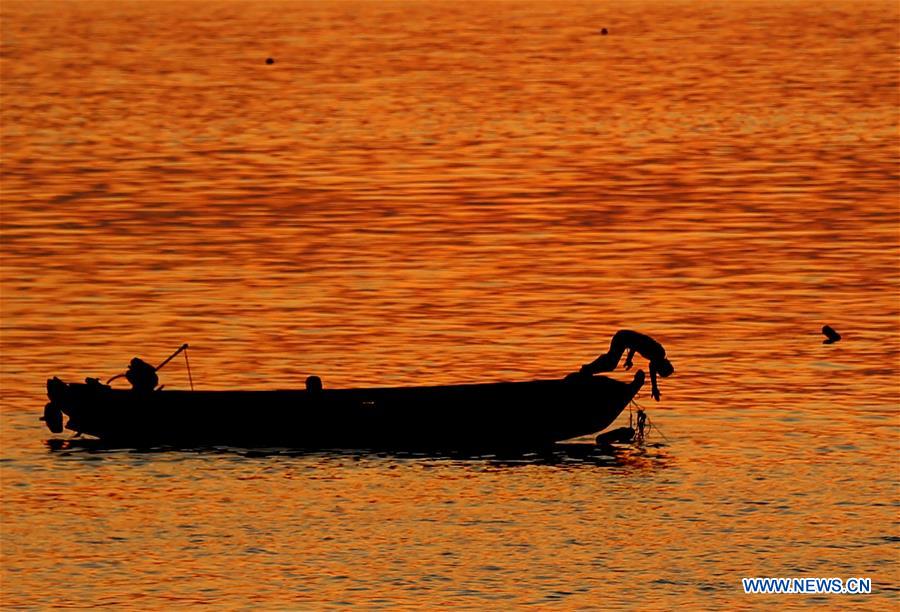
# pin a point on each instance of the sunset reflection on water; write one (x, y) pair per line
(432, 193)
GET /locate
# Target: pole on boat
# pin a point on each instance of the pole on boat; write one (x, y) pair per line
(188, 364)
(172, 356)
(181, 348)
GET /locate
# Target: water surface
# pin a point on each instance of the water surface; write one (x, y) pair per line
(435, 192)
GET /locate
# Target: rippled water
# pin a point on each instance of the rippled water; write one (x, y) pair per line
(430, 192)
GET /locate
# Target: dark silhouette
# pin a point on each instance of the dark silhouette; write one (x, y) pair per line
(269, 61)
(622, 434)
(832, 336)
(633, 341)
(53, 417)
(533, 414)
(604, 32)
(142, 376)
(313, 384)
(641, 423)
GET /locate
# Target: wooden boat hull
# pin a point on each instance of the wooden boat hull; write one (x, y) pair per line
(493, 415)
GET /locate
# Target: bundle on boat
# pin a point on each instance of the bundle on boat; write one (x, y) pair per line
(471, 416)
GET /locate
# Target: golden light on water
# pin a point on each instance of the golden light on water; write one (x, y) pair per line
(431, 193)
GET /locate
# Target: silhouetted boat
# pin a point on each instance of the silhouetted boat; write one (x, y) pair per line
(493, 415)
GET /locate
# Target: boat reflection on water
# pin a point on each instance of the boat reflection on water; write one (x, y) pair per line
(637, 456)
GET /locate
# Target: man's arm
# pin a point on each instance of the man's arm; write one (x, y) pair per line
(654, 389)
(628, 359)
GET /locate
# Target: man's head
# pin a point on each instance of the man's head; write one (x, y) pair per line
(314, 384)
(665, 368)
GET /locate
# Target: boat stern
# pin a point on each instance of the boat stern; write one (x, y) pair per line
(67, 400)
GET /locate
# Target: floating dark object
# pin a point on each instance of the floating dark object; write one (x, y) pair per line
(604, 32)
(270, 61)
(477, 416)
(832, 336)
(622, 434)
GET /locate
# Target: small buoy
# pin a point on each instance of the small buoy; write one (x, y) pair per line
(269, 61)
(622, 434)
(831, 335)
(604, 32)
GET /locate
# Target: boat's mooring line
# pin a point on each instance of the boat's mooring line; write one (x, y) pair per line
(656, 427)
(642, 417)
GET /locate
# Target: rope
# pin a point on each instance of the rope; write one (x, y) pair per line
(656, 427)
(188, 364)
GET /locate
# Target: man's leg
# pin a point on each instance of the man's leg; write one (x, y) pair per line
(609, 360)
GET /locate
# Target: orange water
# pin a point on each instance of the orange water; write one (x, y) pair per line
(438, 192)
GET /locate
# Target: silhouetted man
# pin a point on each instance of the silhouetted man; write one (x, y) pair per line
(646, 346)
(142, 376)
